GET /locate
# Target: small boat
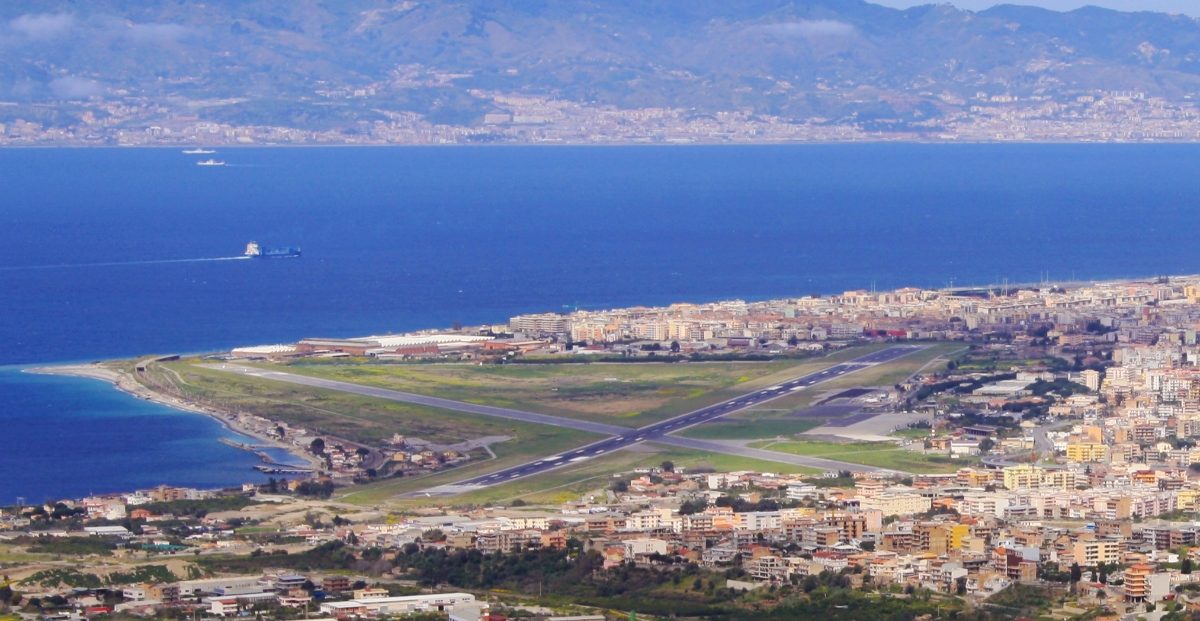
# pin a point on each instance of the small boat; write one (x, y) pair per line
(256, 251)
(198, 151)
(210, 162)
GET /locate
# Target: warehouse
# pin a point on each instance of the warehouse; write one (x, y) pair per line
(458, 605)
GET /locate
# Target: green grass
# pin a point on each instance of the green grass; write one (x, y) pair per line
(760, 425)
(356, 417)
(370, 420)
(879, 454)
(728, 463)
(911, 434)
(775, 418)
(554, 487)
(564, 484)
(507, 454)
(988, 361)
(10, 554)
(881, 376)
(628, 394)
(890, 373)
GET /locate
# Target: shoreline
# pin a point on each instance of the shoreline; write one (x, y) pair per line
(124, 383)
(897, 140)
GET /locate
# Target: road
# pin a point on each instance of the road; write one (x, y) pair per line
(1042, 443)
(1043, 446)
(619, 437)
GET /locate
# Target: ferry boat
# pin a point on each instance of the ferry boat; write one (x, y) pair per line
(256, 251)
(210, 162)
(198, 151)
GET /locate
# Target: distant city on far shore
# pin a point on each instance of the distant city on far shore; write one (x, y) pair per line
(470, 73)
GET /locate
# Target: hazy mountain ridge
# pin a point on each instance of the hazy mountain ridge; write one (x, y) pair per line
(300, 64)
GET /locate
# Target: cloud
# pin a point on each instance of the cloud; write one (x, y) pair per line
(809, 28)
(1186, 7)
(42, 25)
(71, 87)
(157, 34)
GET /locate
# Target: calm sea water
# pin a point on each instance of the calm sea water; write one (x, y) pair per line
(396, 239)
(70, 438)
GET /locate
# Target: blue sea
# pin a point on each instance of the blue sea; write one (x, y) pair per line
(97, 249)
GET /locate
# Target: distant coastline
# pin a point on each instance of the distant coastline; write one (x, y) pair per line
(501, 145)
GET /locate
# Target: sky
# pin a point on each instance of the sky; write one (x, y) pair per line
(1188, 7)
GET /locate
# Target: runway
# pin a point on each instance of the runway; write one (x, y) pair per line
(657, 432)
(619, 437)
(416, 399)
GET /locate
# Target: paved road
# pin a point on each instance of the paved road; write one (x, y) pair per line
(621, 437)
(1042, 444)
(1041, 440)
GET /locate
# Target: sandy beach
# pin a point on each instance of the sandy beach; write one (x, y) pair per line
(127, 384)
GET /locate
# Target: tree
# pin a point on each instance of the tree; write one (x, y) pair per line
(1186, 566)
(986, 445)
(675, 347)
(960, 585)
(324, 489)
(667, 466)
(1076, 572)
(317, 447)
(433, 535)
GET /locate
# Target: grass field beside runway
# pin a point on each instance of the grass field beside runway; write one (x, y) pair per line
(878, 454)
(568, 483)
(631, 394)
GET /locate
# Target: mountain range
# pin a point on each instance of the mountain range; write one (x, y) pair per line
(336, 65)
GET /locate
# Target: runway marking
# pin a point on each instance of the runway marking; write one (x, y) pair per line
(618, 439)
